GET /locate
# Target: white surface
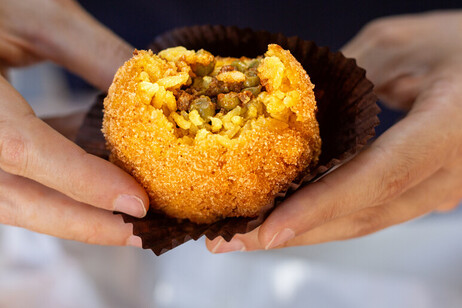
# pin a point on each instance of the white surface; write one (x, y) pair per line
(36, 273)
(417, 264)
(412, 265)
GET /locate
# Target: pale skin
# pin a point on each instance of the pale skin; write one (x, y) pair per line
(415, 167)
(47, 183)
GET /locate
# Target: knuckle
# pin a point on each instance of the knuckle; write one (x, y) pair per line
(13, 152)
(394, 181)
(330, 209)
(329, 213)
(384, 33)
(376, 26)
(92, 234)
(364, 224)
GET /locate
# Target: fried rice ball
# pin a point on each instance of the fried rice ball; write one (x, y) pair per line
(211, 137)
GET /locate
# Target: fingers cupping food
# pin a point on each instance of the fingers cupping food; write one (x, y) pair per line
(211, 137)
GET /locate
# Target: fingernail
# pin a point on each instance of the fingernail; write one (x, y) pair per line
(233, 245)
(217, 246)
(135, 241)
(280, 238)
(131, 205)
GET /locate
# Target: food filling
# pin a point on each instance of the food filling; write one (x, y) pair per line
(211, 137)
(203, 95)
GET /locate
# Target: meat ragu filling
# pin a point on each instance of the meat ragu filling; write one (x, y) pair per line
(201, 94)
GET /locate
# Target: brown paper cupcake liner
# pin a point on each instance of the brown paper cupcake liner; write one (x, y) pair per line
(347, 116)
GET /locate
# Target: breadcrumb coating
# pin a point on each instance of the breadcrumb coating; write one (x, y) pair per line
(208, 166)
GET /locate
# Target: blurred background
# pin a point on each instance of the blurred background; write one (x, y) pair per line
(416, 264)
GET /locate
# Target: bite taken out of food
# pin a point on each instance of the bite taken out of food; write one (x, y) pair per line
(211, 137)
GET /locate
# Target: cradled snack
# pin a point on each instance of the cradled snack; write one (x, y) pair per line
(347, 114)
(212, 137)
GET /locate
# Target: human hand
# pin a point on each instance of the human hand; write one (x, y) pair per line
(47, 183)
(414, 168)
(60, 31)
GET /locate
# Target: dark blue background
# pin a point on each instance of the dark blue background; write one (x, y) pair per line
(328, 23)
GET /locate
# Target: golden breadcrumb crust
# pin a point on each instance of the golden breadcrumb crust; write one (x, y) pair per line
(207, 179)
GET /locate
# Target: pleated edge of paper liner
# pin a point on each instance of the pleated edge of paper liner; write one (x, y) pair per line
(228, 227)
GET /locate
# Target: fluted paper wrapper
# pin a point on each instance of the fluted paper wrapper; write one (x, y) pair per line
(347, 116)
